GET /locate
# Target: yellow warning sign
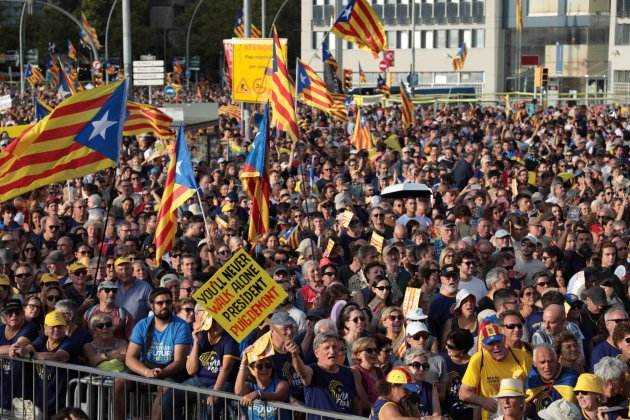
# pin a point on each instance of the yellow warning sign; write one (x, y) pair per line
(252, 61)
(242, 87)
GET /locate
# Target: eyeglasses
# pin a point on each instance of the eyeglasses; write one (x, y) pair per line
(469, 262)
(420, 335)
(53, 298)
(266, 365)
(512, 326)
(33, 306)
(80, 273)
(109, 290)
(189, 310)
(22, 275)
(581, 392)
(84, 252)
(357, 319)
(617, 321)
(370, 350)
(103, 325)
(396, 318)
(378, 215)
(419, 366)
(163, 302)
(383, 288)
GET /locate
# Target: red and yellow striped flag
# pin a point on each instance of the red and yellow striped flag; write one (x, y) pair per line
(80, 136)
(339, 111)
(144, 118)
(361, 136)
(282, 99)
(406, 107)
(239, 27)
(180, 185)
(359, 23)
(312, 89)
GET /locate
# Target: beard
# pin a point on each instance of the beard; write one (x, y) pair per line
(163, 315)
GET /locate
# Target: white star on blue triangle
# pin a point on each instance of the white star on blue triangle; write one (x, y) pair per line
(103, 133)
(345, 14)
(183, 167)
(303, 80)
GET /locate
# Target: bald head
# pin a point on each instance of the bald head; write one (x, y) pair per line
(554, 319)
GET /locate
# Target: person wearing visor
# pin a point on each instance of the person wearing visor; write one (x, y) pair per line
(392, 391)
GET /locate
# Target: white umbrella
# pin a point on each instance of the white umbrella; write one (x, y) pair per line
(407, 189)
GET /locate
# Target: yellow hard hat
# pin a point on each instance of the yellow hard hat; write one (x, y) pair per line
(399, 375)
(589, 383)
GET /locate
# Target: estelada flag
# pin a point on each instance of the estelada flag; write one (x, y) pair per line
(312, 89)
(255, 179)
(361, 136)
(406, 107)
(82, 135)
(358, 23)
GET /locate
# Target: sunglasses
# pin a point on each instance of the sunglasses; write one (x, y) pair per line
(53, 298)
(224, 252)
(581, 392)
(280, 261)
(23, 275)
(419, 366)
(370, 350)
(109, 290)
(542, 284)
(357, 319)
(186, 289)
(53, 227)
(420, 335)
(80, 273)
(11, 312)
(103, 325)
(260, 366)
(450, 346)
(396, 318)
(189, 310)
(512, 326)
(383, 288)
(175, 255)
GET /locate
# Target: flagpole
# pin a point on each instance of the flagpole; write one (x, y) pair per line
(295, 100)
(203, 214)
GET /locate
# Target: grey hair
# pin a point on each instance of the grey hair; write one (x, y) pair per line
(66, 305)
(413, 353)
(493, 276)
(307, 265)
(615, 308)
(100, 317)
(327, 323)
(609, 369)
(545, 346)
(322, 338)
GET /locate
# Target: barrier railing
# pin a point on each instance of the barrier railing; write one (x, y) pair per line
(37, 389)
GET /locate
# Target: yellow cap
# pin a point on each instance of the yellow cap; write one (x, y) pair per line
(399, 375)
(121, 261)
(4, 281)
(227, 207)
(54, 319)
(48, 278)
(589, 383)
(75, 267)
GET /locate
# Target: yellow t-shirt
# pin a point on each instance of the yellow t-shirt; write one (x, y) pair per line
(485, 377)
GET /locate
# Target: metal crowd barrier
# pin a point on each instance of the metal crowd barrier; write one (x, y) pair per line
(37, 389)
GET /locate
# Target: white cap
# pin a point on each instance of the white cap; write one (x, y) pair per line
(416, 327)
(462, 295)
(417, 315)
(501, 233)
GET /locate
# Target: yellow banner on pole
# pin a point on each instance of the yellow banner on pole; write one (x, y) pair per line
(240, 295)
(252, 69)
(14, 131)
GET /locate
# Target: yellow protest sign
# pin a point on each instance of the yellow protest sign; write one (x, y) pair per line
(346, 218)
(14, 131)
(240, 295)
(411, 300)
(377, 241)
(252, 64)
(329, 247)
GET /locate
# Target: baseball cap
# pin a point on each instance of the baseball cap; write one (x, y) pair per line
(168, 279)
(54, 257)
(106, 285)
(415, 327)
(501, 233)
(74, 267)
(531, 238)
(12, 305)
(54, 319)
(399, 375)
(490, 334)
(121, 261)
(283, 319)
(48, 278)
(449, 271)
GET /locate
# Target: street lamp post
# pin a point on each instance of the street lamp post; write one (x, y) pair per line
(21, 52)
(192, 18)
(109, 19)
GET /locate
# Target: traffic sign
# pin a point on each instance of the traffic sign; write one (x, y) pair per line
(382, 66)
(169, 91)
(148, 72)
(149, 63)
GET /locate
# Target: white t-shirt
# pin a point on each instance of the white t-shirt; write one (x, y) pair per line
(475, 286)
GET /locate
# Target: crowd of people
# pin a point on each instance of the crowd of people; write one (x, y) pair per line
(520, 255)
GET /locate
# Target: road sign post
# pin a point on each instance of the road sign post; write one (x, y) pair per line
(148, 73)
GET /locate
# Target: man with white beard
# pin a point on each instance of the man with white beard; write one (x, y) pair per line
(440, 308)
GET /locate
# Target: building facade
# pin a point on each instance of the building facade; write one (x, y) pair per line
(583, 43)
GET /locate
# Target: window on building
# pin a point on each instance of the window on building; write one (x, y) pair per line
(453, 38)
(440, 39)
(428, 40)
(318, 38)
(622, 76)
(331, 41)
(622, 34)
(578, 7)
(542, 8)
(478, 38)
(391, 38)
(445, 78)
(425, 78)
(404, 39)
(418, 40)
(466, 36)
(472, 77)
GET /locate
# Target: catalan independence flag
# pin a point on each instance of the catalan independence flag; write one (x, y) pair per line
(382, 86)
(255, 179)
(41, 109)
(312, 89)
(80, 136)
(339, 109)
(144, 118)
(282, 99)
(361, 136)
(72, 52)
(327, 57)
(90, 33)
(290, 237)
(179, 186)
(358, 23)
(66, 84)
(406, 107)
(33, 74)
(239, 27)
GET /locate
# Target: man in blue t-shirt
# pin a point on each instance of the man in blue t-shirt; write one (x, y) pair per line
(612, 317)
(440, 307)
(158, 347)
(327, 386)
